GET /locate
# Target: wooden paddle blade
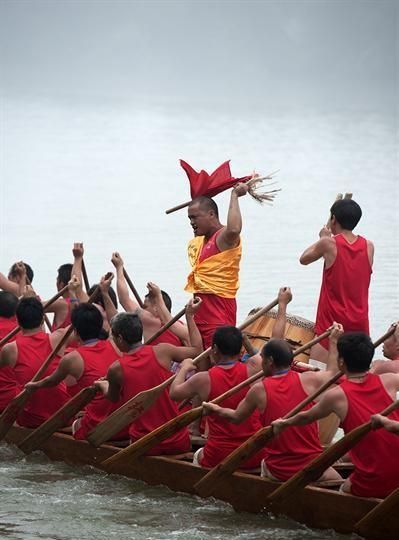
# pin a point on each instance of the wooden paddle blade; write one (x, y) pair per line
(59, 420)
(382, 521)
(11, 412)
(140, 447)
(126, 414)
(209, 483)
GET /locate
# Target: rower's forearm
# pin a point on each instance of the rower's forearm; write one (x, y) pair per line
(229, 414)
(332, 358)
(281, 319)
(110, 309)
(127, 303)
(194, 334)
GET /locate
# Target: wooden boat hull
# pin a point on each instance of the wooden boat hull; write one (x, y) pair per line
(316, 507)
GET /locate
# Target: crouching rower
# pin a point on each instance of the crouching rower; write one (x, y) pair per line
(26, 355)
(140, 368)
(279, 392)
(359, 396)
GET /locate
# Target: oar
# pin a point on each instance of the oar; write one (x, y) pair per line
(133, 289)
(84, 275)
(133, 408)
(15, 330)
(140, 447)
(73, 406)
(313, 471)
(58, 420)
(207, 485)
(11, 412)
(167, 325)
(382, 521)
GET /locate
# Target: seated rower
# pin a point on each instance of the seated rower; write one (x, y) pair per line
(279, 392)
(19, 275)
(8, 383)
(90, 361)
(390, 350)
(26, 355)
(156, 311)
(140, 368)
(360, 395)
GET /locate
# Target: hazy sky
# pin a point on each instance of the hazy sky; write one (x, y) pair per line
(331, 54)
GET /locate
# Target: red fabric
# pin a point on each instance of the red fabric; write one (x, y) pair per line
(8, 383)
(67, 321)
(223, 436)
(215, 311)
(142, 371)
(168, 337)
(210, 185)
(344, 289)
(96, 412)
(375, 457)
(296, 446)
(96, 358)
(32, 352)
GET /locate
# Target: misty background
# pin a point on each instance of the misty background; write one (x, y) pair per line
(100, 99)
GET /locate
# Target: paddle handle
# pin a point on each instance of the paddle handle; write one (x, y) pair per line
(133, 289)
(385, 336)
(55, 297)
(163, 328)
(85, 278)
(10, 335)
(315, 468)
(178, 207)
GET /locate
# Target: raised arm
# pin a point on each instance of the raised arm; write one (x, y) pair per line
(179, 329)
(127, 303)
(230, 235)
(324, 247)
(109, 307)
(332, 358)
(78, 252)
(284, 298)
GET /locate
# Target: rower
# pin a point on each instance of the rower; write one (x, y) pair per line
(26, 355)
(360, 395)
(156, 311)
(140, 368)
(348, 260)
(390, 350)
(214, 255)
(19, 275)
(279, 392)
(8, 321)
(90, 361)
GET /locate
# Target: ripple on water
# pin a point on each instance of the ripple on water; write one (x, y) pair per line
(54, 501)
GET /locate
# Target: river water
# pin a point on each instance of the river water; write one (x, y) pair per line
(104, 173)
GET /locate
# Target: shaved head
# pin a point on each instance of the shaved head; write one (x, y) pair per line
(206, 204)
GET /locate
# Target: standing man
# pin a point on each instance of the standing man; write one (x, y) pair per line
(348, 260)
(214, 255)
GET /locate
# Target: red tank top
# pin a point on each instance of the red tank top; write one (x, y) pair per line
(96, 358)
(215, 310)
(142, 371)
(294, 447)
(344, 289)
(376, 456)
(32, 352)
(223, 436)
(8, 382)
(67, 321)
(168, 337)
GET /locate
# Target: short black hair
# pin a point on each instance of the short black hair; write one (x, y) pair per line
(99, 297)
(228, 340)
(29, 271)
(8, 304)
(347, 212)
(280, 351)
(129, 326)
(64, 273)
(207, 204)
(166, 299)
(356, 350)
(29, 313)
(87, 321)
